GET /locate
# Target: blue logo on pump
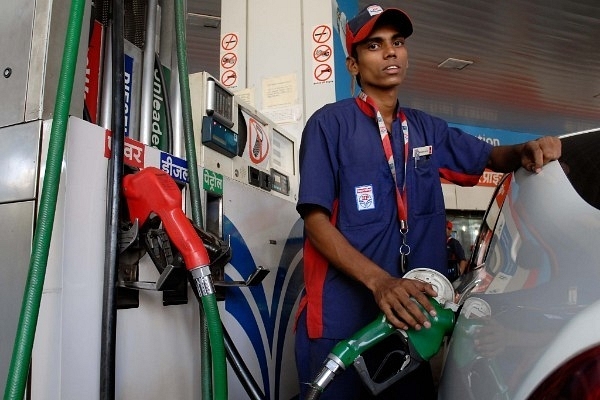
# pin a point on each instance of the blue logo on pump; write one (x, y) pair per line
(265, 320)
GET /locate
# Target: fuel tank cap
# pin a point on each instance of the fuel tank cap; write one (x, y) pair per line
(474, 307)
(441, 284)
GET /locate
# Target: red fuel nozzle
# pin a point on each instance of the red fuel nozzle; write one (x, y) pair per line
(154, 191)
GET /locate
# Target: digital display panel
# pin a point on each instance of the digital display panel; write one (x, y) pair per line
(219, 103)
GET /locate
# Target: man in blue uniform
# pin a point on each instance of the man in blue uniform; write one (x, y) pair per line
(457, 261)
(370, 190)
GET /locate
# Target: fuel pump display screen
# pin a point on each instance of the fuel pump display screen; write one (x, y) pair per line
(219, 103)
(218, 137)
(280, 182)
(283, 153)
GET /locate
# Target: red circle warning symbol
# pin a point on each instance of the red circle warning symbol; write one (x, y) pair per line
(323, 72)
(258, 142)
(322, 53)
(229, 41)
(321, 33)
(229, 78)
(229, 60)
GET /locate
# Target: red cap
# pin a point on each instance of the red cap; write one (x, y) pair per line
(359, 28)
(449, 225)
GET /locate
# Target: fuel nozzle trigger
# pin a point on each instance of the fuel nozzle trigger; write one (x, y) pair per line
(408, 350)
(395, 365)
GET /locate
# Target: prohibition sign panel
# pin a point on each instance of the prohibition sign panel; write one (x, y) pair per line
(321, 34)
(323, 72)
(229, 41)
(229, 60)
(322, 53)
(229, 78)
(258, 142)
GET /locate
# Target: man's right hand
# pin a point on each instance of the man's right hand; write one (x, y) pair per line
(398, 298)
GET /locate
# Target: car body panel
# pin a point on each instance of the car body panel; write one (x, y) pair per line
(531, 300)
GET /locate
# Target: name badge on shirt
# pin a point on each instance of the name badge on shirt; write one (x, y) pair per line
(364, 197)
(422, 151)
(419, 152)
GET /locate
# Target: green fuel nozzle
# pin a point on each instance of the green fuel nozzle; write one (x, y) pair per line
(415, 347)
(427, 342)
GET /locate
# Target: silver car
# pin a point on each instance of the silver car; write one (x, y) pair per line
(529, 322)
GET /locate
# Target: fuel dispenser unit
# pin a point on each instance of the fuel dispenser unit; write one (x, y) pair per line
(410, 347)
(253, 238)
(252, 235)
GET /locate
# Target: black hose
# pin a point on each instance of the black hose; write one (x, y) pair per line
(115, 177)
(241, 370)
(313, 393)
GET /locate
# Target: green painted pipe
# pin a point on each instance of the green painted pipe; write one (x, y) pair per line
(30, 307)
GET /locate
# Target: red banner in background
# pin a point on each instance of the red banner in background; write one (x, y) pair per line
(489, 178)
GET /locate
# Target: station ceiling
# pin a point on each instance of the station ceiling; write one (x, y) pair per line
(535, 63)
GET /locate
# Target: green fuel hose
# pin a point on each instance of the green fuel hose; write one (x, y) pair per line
(30, 307)
(213, 347)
